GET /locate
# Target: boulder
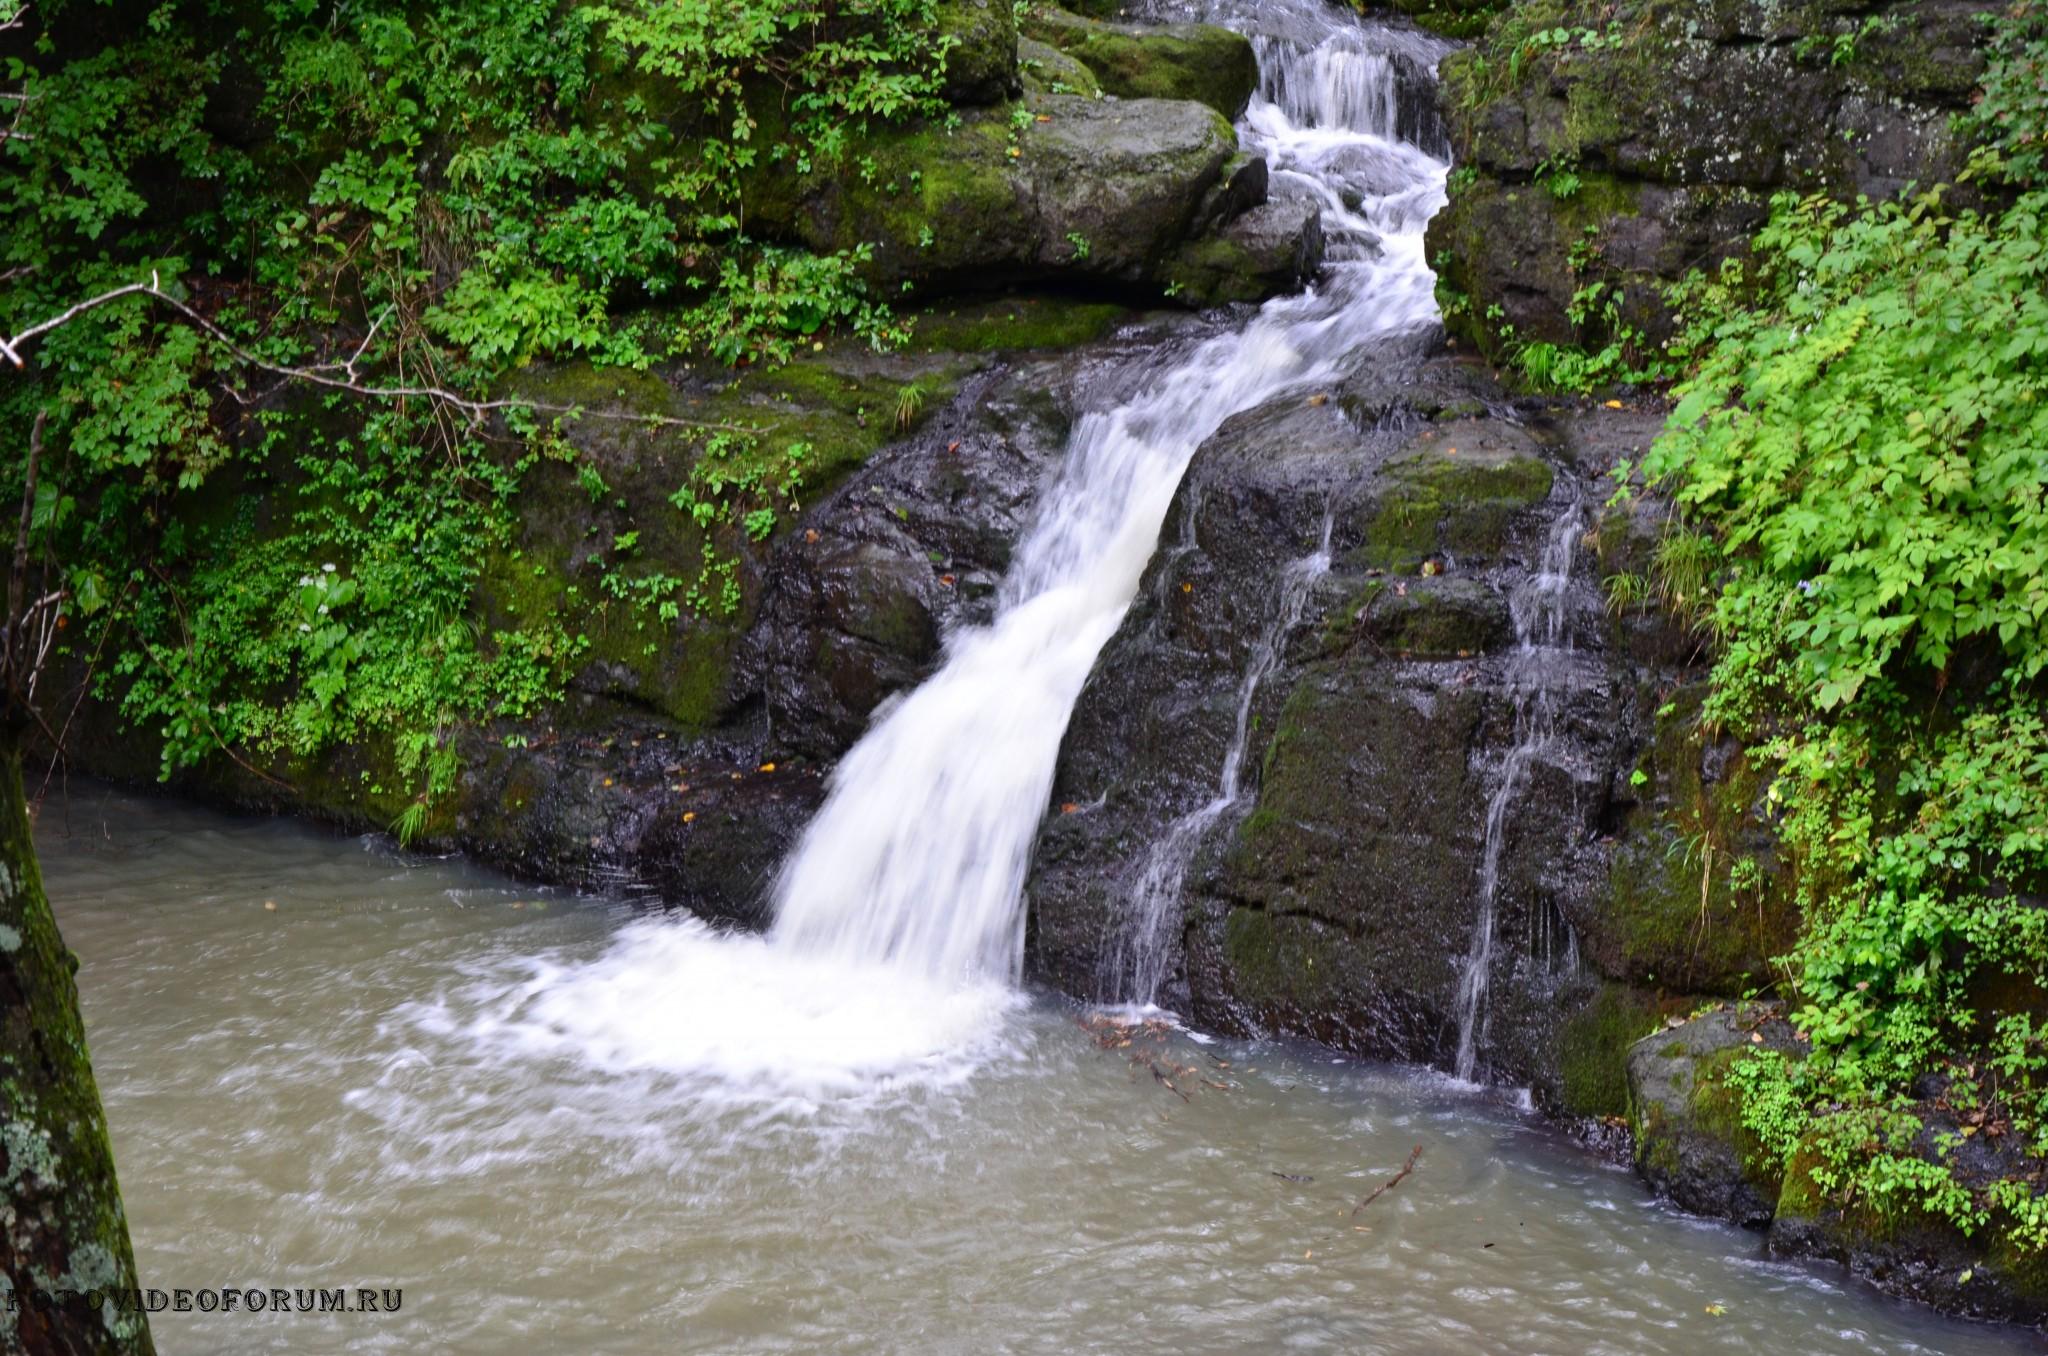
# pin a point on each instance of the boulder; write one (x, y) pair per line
(1690, 1142)
(1060, 186)
(1202, 62)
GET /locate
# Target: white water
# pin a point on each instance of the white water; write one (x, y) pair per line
(899, 916)
(1538, 608)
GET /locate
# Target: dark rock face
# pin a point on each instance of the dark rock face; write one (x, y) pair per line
(1338, 898)
(1655, 148)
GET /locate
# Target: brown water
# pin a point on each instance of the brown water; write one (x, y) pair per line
(411, 1073)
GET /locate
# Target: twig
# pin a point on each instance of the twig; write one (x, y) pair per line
(1390, 1183)
(323, 374)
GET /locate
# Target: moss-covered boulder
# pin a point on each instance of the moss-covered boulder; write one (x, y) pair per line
(1627, 143)
(1155, 61)
(1690, 1140)
(1045, 69)
(1054, 186)
(1910, 1250)
(1274, 247)
(981, 68)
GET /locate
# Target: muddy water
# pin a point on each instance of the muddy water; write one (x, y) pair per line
(368, 1085)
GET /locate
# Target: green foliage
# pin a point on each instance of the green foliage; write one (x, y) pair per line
(406, 195)
(2011, 116)
(1897, 367)
(1856, 459)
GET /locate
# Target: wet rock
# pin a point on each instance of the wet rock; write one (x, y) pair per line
(1202, 62)
(1691, 1144)
(1337, 898)
(1272, 248)
(1647, 157)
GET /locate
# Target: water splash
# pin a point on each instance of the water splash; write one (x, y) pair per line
(1538, 609)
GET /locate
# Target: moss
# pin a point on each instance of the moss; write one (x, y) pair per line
(1716, 1110)
(564, 575)
(1592, 1051)
(1439, 619)
(1464, 19)
(1674, 913)
(1279, 962)
(1201, 62)
(1015, 323)
(1047, 70)
(66, 1226)
(1451, 494)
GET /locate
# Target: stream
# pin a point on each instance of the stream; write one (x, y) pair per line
(349, 1089)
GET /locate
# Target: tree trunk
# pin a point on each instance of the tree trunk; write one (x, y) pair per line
(65, 1260)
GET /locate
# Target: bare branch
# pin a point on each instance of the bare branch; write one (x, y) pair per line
(325, 374)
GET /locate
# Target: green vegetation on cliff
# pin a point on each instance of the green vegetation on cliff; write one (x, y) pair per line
(1857, 460)
(280, 463)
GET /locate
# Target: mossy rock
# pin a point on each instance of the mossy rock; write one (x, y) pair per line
(1698, 898)
(1202, 62)
(982, 67)
(1045, 69)
(1009, 324)
(1909, 1250)
(1056, 187)
(567, 574)
(1427, 618)
(1690, 1140)
(1453, 492)
(1592, 1051)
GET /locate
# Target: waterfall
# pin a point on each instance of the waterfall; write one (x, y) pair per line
(1538, 610)
(918, 858)
(899, 914)
(1335, 84)
(1137, 964)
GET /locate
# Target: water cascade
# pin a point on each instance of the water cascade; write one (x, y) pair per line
(899, 914)
(1541, 641)
(917, 859)
(1137, 964)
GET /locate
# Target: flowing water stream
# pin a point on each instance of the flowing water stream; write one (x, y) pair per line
(1536, 669)
(350, 1089)
(563, 1126)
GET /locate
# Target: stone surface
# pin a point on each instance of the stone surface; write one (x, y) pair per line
(1202, 62)
(1656, 148)
(1691, 1144)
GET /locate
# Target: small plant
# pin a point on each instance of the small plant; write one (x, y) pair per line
(1079, 243)
(909, 404)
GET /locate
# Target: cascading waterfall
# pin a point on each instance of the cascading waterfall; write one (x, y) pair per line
(1137, 965)
(899, 914)
(1541, 641)
(918, 858)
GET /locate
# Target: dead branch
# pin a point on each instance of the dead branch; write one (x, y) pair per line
(1390, 1183)
(337, 376)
